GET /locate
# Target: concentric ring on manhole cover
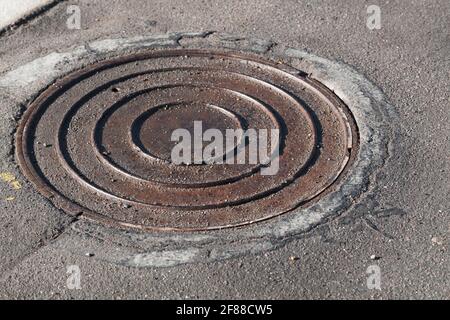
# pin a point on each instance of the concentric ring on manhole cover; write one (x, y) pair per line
(97, 142)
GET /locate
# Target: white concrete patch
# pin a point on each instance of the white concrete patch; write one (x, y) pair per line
(13, 10)
(369, 106)
(163, 258)
(40, 71)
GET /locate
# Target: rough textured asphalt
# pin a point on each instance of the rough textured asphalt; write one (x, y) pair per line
(403, 218)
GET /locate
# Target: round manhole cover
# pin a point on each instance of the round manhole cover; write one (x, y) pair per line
(99, 142)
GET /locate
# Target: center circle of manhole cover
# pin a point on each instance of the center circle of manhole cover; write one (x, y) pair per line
(98, 142)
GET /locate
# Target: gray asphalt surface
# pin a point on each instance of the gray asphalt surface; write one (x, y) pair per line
(403, 218)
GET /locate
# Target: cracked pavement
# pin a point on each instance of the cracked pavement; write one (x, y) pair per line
(402, 219)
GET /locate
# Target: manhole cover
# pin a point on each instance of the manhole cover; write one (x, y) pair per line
(98, 142)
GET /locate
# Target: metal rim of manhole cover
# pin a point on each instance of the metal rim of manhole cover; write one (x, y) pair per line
(97, 142)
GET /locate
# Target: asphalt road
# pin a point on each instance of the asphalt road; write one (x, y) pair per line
(402, 220)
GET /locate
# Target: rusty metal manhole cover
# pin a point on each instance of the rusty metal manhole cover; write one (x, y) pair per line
(97, 143)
